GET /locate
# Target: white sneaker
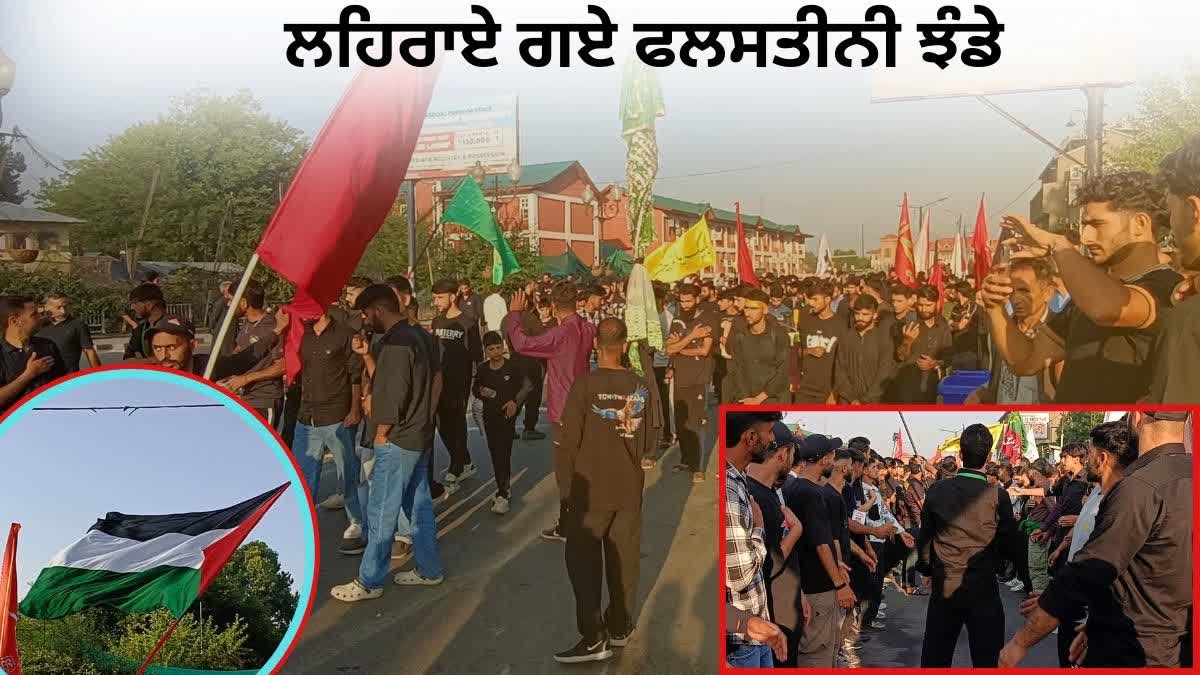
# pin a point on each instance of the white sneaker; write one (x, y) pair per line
(333, 502)
(449, 479)
(499, 505)
(883, 605)
(467, 471)
(411, 578)
(352, 532)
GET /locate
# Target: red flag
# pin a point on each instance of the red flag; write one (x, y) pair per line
(936, 280)
(10, 659)
(344, 189)
(905, 266)
(745, 261)
(898, 443)
(979, 244)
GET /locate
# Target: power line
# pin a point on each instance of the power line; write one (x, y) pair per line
(130, 409)
(716, 172)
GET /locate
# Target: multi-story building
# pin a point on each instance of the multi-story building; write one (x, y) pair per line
(1053, 205)
(776, 247)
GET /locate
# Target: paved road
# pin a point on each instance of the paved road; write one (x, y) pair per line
(506, 605)
(900, 645)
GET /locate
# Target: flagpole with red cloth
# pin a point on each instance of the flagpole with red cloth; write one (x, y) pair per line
(10, 656)
(342, 192)
(979, 245)
(745, 262)
(936, 280)
(905, 265)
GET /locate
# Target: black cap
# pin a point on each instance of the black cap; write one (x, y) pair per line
(783, 435)
(174, 325)
(815, 447)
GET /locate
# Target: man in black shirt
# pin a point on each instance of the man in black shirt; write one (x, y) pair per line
(967, 527)
(758, 349)
(402, 367)
(1179, 341)
(69, 333)
(690, 345)
(502, 386)
(1105, 336)
(921, 349)
(26, 362)
(147, 307)
(864, 360)
(254, 351)
(330, 411)
(597, 463)
(823, 582)
(457, 332)
(820, 334)
(1134, 575)
(781, 530)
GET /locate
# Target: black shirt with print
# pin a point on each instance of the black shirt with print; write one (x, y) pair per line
(461, 347)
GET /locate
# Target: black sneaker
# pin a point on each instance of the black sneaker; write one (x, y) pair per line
(532, 435)
(553, 534)
(586, 650)
(620, 639)
(353, 546)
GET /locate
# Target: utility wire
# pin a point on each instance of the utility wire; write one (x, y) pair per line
(130, 409)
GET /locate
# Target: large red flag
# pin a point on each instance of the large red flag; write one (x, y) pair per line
(905, 266)
(344, 189)
(10, 659)
(745, 261)
(979, 244)
(897, 446)
(939, 283)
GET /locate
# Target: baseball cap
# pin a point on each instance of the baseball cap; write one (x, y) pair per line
(815, 447)
(174, 325)
(783, 435)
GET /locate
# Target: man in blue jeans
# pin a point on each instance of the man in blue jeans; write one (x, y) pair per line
(330, 411)
(403, 368)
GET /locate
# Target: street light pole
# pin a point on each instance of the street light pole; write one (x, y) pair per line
(1095, 131)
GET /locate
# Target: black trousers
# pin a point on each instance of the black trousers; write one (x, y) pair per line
(664, 395)
(535, 370)
(1066, 635)
(499, 433)
(603, 546)
(976, 604)
(452, 425)
(875, 589)
(690, 412)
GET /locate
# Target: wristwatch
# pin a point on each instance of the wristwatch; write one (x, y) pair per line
(839, 586)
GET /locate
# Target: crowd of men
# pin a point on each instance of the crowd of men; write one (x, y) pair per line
(1098, 543)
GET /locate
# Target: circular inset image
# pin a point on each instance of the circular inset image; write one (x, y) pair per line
(153, 524)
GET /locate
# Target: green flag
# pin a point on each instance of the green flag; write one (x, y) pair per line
(470, 210)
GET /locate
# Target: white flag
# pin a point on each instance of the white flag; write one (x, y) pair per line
(824, 260)
(921, 246)
(958, 261)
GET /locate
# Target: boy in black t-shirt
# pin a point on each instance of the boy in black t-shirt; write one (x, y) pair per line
(502, 386)
(457, 333)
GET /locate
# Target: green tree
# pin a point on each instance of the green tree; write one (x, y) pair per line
(193, 645)
(254, 591)
(471, 258)
(10, 179)
(61, 646)
(211, 151)
(1076, 426)
(1167, 115)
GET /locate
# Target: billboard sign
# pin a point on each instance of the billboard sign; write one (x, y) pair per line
(454, 137)
(1037, 423)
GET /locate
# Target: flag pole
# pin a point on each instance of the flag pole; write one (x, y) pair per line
(161, 641)
(910, 438)
(228, 320)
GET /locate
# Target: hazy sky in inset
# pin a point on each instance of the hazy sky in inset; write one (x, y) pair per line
(65, 469)
(829, 160)
(928, 429)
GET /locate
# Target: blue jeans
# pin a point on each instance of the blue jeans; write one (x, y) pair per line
(751, 656)
(399, 483)
(308, 447)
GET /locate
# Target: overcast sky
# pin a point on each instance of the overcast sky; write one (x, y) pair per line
(825, 157)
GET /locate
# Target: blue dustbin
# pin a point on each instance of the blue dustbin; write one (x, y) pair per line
(956, 386)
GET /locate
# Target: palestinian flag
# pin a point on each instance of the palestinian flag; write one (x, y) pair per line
(141, 563)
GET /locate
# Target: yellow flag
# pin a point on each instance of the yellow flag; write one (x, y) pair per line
(690, 253)
(950, 445)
